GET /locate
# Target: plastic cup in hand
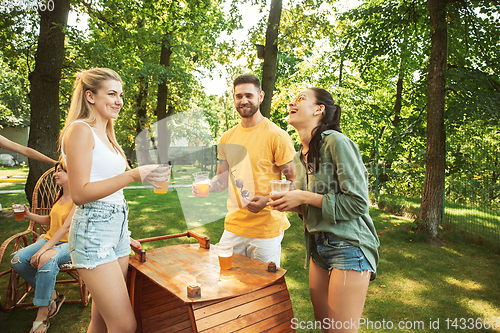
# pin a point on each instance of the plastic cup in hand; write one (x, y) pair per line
(280, 186)
(18, 211)
(225, 253)
(202, 183)
(163, 184)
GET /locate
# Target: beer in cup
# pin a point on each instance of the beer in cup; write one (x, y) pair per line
(18, 212)
(225, 253)
(163, 184)
(202, 183)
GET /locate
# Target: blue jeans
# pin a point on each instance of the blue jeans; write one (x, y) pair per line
(43, 279)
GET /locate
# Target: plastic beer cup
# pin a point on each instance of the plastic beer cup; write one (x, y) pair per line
(225, 253)
(202, 183)
(280, 186)
(18, 212)
(163, 184)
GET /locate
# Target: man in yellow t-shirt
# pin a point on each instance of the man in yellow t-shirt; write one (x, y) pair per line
(251, 154)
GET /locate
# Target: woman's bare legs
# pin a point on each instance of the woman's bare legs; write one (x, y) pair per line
(318, 288)
(338, 296)
(111, 308)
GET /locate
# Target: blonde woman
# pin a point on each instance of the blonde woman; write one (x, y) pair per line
(99, 237)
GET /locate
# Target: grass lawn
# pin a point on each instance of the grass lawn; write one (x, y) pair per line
(417, 282)
(480, 225)
(16, 171)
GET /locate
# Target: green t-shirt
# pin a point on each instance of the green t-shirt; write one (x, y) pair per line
(343, 180)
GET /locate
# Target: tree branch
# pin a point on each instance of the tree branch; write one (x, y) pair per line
(99, 15)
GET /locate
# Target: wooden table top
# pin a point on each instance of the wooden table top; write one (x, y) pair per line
(178, 266)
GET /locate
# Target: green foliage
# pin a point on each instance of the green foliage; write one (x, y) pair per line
(359, 55)
(133, 34)
(220, 114)
(381, 42)
(14, 103)
(473, 172)
(18, 33)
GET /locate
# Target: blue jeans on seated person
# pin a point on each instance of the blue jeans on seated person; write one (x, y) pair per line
(43, 279)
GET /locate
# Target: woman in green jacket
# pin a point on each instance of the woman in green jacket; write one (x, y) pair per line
(332, 197)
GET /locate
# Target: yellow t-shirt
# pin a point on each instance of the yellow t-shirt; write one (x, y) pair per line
(58, 215)
(253, 155)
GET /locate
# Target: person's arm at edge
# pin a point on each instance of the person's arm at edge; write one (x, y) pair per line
(26, 151)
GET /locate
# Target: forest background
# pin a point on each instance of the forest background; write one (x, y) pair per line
(418, 81)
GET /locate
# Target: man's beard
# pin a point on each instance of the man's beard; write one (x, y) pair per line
(248, 113)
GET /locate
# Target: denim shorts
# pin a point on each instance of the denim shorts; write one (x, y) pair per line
(99, 234)
(330, 252)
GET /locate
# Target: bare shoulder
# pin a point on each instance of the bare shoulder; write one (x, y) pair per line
(79, 134)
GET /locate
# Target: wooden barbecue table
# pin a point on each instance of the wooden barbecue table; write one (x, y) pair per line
(180, 288)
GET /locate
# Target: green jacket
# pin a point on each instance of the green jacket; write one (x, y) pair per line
(343, 180)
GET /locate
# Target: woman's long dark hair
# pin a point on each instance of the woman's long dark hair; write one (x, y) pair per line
(60, 193)
(330, 121)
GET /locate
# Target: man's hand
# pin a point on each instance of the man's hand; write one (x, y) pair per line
(256, 204)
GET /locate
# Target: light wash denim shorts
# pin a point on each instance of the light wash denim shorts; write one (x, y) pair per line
(99, 234)
(332, 252)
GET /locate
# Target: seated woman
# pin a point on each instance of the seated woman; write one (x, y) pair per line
(39, 263)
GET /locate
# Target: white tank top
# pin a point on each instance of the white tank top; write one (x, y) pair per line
(105, 165)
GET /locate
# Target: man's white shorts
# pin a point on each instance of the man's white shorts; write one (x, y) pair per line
(263, 249)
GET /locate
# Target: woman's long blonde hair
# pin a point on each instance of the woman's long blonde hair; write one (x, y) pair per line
(81, 109)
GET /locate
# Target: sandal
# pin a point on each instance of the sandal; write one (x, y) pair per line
(59, 300)
(37, 324)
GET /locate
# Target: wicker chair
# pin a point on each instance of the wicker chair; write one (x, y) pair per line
(17, 291)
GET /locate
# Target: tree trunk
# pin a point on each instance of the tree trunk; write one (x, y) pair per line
(271, 56)
(341, 68)
(44, 90)
(432, 196)
(163, 140)
(141, 120)
(399, 92)
(141, 102)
